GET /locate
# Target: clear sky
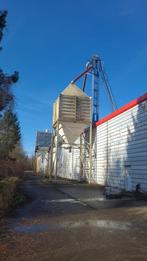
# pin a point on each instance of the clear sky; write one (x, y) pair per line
(49, 42)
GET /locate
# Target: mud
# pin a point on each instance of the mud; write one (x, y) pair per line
(68, 221)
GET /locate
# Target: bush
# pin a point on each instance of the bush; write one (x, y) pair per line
(7, 192)
(11, 168)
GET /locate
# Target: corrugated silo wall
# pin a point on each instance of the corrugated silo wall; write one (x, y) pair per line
(69, 163)
(42, 163)
(122, 149)
(74, 164)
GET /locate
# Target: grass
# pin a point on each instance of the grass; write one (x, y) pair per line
(10, 197)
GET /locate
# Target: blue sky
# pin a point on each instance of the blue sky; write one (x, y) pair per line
(49, 42)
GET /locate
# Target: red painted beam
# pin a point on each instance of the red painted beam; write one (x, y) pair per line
(81, 74)
(122, 109)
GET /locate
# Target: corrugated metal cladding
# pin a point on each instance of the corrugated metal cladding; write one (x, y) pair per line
(119, 151)
(43, 142)
(42, 162)
(122, 149)
(69, 162)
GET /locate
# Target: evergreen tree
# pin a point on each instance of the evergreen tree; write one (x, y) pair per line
(3, 15)
(6, 81)
(9, 125)
(9, 133)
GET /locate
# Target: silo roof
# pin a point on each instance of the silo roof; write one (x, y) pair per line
(73, 90)
(43, 139)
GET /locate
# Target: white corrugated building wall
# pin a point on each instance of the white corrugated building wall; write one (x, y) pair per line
(122, 147)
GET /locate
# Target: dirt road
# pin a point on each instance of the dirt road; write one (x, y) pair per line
(69, 221)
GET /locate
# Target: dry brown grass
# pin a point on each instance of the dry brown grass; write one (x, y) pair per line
(9, 168)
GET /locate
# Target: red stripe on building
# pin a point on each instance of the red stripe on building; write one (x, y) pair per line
(122, 109)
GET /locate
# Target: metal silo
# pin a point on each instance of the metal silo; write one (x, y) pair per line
(72, 112)
(71, 115)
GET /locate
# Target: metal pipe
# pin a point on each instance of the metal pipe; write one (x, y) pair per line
(80, 75)
(85, 78)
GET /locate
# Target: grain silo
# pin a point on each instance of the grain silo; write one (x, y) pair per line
(71, 115)
(72, 111)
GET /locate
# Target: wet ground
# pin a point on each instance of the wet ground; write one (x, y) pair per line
(70, 221)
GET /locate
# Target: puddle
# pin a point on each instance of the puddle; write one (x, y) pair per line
(75, 201)
(32, 228)
(110, 224)
(84, 200)
(103, 224)
(100, 198)
(96, 224)
(66, 200)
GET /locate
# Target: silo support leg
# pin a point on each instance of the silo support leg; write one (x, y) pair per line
(90, 153)
(57, 141)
